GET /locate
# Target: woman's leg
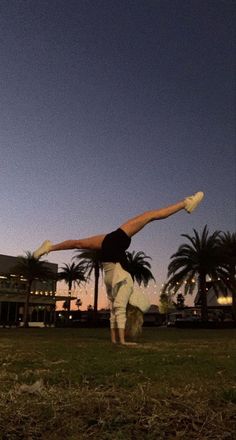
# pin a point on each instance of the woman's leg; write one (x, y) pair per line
(134, 225)
(90, 243)
(130, 227)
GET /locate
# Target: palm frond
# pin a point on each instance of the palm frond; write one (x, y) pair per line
(139, 267)
(32, 268)
(72, 273)
(205, 255)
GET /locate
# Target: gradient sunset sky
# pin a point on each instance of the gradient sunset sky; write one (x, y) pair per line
(112, 107)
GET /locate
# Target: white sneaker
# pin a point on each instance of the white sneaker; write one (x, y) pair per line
(192, 202)
(43, 249)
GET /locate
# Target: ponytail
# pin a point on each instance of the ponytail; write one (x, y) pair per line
(134, 321)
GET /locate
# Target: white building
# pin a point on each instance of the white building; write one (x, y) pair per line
(13, 292)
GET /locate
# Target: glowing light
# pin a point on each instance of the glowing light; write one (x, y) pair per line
(224, 300)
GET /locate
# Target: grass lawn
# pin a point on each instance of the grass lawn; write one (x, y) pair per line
(73, 384)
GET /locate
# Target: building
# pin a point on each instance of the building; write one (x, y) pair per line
(13, 292)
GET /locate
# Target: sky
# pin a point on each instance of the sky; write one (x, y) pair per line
(110, 108)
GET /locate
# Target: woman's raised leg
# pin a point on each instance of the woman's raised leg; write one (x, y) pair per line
(135, 224)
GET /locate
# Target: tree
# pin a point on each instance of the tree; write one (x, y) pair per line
(90, 308)
(73, 274)
(31, 269)
(91, 261)
(197, 259)
(166, 303)
(78, 303)
(65, 304)
(139, 267)
(227, 256)
(180, 301)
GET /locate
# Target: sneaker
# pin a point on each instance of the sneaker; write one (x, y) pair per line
(192, 202)
(43, 249)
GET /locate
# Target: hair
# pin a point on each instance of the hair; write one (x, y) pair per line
(134, 321)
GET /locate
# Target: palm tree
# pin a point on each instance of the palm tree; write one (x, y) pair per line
(139, 267)
(179, 304)
(72, 274)
(78, 303)
(91, 261)
(166, 303)
(197, 259)
(227, 255)
(31, 269)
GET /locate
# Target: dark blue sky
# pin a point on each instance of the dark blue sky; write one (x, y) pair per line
(109, 108)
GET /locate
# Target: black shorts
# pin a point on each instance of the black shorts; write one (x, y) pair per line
(114, 246)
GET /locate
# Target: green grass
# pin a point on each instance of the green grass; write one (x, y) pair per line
(73, 384)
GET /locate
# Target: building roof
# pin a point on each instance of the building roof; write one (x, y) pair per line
(7, 262)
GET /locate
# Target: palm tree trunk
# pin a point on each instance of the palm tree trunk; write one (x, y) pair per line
(203, 296)
(234, 305)
(96, 274)
(26, 307)
(233, 291)
(69, 300)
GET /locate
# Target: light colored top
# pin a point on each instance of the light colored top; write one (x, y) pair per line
(120, 291)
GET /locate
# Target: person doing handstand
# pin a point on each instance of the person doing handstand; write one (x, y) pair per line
(112, 247)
